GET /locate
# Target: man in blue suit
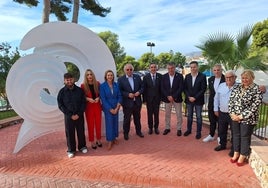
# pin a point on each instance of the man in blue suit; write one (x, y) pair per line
(131, 88)
(172, 87)
(195, 85)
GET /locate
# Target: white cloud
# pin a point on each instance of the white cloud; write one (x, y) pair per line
(171, 25)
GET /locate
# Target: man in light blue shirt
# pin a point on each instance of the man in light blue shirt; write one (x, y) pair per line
(221, 101)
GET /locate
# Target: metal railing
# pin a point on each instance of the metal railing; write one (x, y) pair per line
(261, 129)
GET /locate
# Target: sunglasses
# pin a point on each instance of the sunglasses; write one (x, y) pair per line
(128, 69)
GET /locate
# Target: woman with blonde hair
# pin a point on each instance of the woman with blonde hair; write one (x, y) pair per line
(244, 103)
(93, 108)
(111, 99)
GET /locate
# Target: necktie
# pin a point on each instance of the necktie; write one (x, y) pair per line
(153, 79)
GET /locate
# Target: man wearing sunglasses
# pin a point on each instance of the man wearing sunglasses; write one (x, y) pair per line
(131, 88)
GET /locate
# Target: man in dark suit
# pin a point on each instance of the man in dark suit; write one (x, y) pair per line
(171, 88)
(152, 97)
(213, 83)
(131, 88)
(195, 85)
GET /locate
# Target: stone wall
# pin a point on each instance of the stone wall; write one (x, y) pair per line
(259, 160)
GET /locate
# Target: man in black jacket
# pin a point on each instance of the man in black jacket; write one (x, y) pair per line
(152, 97)
(213, 83)
(72, 102)
(195, 85)
(172, 87)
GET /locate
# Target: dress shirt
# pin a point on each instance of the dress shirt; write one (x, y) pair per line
(221, 99)
(193, 78)
(131, 81)
(171, 80)
(216, 83)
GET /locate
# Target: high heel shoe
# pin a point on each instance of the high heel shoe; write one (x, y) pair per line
(99, 144)
(115, 141)
(240, 164)
(241, 161)
(233, 160)
(110, 144)
(94, 147)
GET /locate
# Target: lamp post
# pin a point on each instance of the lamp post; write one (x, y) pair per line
(151, 45)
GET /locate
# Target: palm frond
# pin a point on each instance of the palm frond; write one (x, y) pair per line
(243, 41)
(254, 63)
(218, 46)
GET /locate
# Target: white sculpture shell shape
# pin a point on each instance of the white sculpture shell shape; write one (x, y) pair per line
(53, 44)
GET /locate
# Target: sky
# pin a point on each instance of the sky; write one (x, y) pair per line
(177, 25)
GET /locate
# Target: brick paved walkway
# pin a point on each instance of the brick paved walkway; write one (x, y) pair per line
(153, 161)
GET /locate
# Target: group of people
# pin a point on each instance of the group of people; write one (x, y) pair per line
(90, 99)
(229, 103)
(234, 105)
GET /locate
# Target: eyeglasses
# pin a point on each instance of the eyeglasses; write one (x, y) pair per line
(128, 69)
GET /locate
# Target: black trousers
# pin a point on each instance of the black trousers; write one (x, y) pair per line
(135, 110)
(70, 127)
(242, 137)
(153, 113)
(224, 122)
(213, 120)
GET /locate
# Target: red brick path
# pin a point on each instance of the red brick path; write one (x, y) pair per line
(152, 161)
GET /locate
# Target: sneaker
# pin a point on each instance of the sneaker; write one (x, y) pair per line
(70, 154)
(209, 138)
(219, 139)
(84, 150)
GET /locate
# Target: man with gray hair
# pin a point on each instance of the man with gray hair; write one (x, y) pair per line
(221, 101)
(213, 84)
(131, 88)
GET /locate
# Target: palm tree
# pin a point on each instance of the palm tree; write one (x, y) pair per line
(232, 52)
(62, 7)
(90, 5)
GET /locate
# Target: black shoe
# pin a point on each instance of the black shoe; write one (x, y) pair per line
(99, 144)
(198, 136)
(166, 131)
(231, 153)
(219, 148)
(178, 132)
(156, 131)
(150, 131)
(94, 147)
(187, 133)
(126, 136)
(140, 135)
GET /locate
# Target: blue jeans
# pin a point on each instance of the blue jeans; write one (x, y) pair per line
(190, 112)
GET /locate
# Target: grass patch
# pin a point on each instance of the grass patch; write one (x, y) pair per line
(7, 114)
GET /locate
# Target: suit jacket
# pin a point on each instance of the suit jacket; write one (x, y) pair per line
(110, 99)
(175, 91)
(125, 89)
(151, 92)
(212, 91)
(197, 90)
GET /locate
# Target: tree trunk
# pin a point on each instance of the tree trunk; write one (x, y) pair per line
(75, 11)
(46, 11)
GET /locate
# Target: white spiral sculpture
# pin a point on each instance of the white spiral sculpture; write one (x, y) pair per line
(53, 44)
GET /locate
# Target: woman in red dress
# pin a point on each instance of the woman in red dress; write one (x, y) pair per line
(93, 108)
